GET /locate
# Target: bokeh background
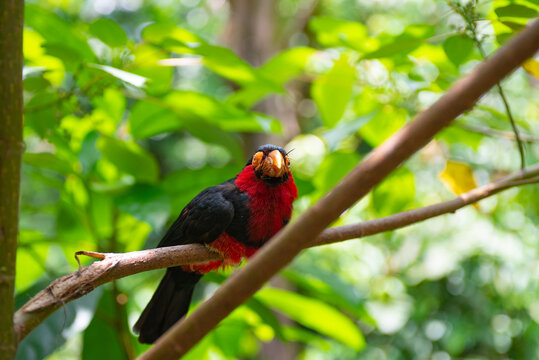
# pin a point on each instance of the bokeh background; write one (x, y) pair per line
(134, 106)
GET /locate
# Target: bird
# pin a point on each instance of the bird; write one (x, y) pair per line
(234, 218)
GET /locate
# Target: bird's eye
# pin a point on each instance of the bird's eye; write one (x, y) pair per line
(257, 159)
(287, 160)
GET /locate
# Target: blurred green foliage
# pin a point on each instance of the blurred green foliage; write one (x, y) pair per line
(132, 107)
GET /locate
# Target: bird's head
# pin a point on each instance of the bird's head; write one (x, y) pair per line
(271, 164)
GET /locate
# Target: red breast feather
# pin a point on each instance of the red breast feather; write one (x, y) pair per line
(270, 205)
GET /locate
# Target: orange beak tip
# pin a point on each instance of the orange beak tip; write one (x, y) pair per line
(275, 165)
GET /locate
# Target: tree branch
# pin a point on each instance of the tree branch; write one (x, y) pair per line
(499, 133)
(11, 148)
(115, 266)
(374, 168)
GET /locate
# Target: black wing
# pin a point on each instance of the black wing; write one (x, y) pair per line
(202, 220)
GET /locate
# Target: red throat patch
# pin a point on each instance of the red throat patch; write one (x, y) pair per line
(270, 206)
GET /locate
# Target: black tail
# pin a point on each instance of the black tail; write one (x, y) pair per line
(169, 303)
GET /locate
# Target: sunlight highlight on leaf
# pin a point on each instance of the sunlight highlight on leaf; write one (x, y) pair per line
(314, 314)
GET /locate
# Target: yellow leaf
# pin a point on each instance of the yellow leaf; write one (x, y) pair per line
(531, 66)
(458, 177)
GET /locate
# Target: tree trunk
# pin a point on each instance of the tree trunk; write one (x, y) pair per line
(11, 146)
(251, 33)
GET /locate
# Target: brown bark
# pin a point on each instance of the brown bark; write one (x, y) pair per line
(251, 32)
(374, 168)
(11, 146)
(116, 266)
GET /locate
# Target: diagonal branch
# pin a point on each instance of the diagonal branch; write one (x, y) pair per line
(115, 266)
(282, 249)
(301, 233)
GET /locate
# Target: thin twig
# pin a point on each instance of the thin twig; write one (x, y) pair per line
(467, 12)
(120, 322)
(513, 125)
(289, 242)
(117, 265)
(499, 133)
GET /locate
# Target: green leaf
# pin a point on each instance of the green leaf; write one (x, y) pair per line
(457, 135)
(332, 32)
(214, 135)
(298, 334)
(515, 26)
(315, 315)
(266, 315)
(333, 168)
(228, 337)
(221, 60)
(57, 31)
(33, 249)
(277, 71)
(410, 39)
(396, 193)
(57, 328)
(146, 64)
(191, 107)
(131, 233)
(102, 213)
(346, 128)
(286, 65)
(160, 33)
(130, 78)
(89, 154)
(203, 116)
(48, 161)
(516, 10)
(39, 113)
(148, 119)
(332, 91)
(329, 287)
(183, 185)
(458, 48)
(35, 82)
(226, 63)
(111, 103)
(146, 203)
(130, 158)
(103, 330)
(383, 124)
(109, 32)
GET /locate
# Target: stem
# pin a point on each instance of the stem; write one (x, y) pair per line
(289, 242)
(499, 133)
(469, 16)
(11, 147)
(513, 125)
(120, 322)
(115, 266)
